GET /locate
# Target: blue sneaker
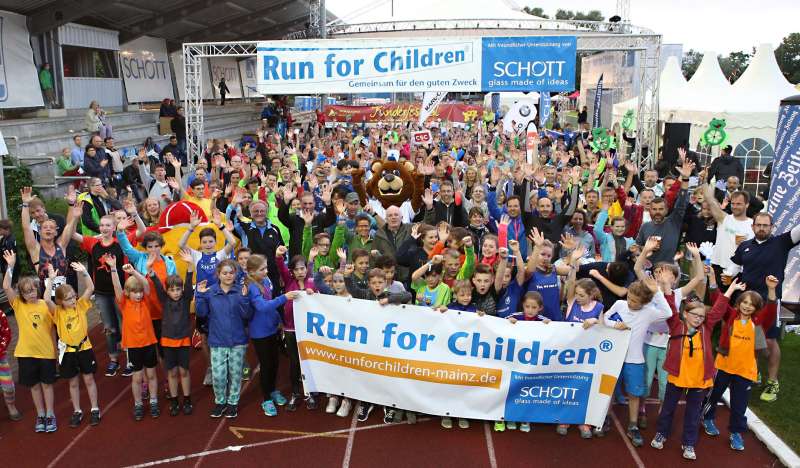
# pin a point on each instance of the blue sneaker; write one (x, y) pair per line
(278, 398)
(269, 408)
(51, 426)
(737, 442)
(40, 425)
(710, 427)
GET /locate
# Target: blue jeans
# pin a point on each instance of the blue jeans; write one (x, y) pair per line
(112, 322)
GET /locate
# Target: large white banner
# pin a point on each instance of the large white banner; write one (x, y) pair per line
(227, 67)
(458, 364)
(247, 70)
(19, 78)
(145, 69)
(177, 65)
(527, 63)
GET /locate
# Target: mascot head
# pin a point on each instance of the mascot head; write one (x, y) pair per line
(392, 182)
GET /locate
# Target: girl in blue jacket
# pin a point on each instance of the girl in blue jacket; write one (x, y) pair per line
(228, 309)
(264, 329)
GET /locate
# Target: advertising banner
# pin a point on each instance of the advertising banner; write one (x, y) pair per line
(457, 364)
(421, 138)
(19, 79)
(417, 64)
(430, 101)
(229, 68)
(247, 70)
(784, 189)
(145, 69)
(598, 101)
(544, 109)
(177, 64)
(462, 113)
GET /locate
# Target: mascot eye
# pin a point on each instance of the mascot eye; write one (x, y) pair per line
(396, 172)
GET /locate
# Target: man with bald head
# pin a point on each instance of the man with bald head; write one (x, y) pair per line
(391, 235)
(260, 236)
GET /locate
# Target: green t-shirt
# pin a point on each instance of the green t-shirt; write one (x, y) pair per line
(438, 296)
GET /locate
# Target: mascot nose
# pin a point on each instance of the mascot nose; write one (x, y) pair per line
(389, 177)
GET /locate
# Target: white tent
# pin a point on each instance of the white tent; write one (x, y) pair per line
(762, 86)
(672, 93)
(749, 107)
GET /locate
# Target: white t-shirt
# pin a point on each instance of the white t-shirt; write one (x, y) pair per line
(638, 321)
(658, 332)
(725, 245)
(405, 210)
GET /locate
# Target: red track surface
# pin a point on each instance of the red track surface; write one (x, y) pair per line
(307, 439)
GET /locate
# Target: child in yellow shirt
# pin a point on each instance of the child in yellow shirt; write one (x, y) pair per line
(75, 350)
(35, 351)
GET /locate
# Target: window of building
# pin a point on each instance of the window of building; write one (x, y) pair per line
(84, 62)
(754, 154)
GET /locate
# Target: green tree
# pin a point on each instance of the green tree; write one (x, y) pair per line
(592, 15)
(788, 56)
(735, 64)
(565, 14)
(535, 11)
(691, 60)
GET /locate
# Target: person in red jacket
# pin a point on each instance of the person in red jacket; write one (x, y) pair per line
(736, 360)
(690, 371)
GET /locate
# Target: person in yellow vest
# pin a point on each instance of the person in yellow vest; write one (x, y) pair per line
(736, 361)
(97, 203)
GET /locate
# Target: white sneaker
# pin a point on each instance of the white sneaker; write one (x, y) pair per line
(344, 408)
(333, 403)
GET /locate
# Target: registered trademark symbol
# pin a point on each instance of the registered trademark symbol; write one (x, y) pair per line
(606, 345)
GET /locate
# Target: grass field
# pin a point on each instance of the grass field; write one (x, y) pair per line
(783, 415)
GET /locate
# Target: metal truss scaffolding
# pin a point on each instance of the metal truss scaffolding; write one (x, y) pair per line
(591, 37)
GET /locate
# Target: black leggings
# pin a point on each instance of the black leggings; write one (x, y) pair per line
(294, 361)
(267, 350)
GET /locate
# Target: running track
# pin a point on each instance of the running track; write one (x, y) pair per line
(315, 439)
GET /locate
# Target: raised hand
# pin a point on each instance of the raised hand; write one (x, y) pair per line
(772, 282)
(128, 268)
(78, 267)
(26, 194)
(10, 257)
(216, 217)
(111, 260)
(576, 254)
(349, 269)
(568, 241)
(339, 206)
(514, 246)
(427, 198)
(77, 209)
(341, 253)
(124, 224)
(71, 196)
(651, 284)
(281, 251)
(151, 259)
(444, 231)
(693, 248)
(437, 259)
(194, 219)
(467, 241)
(201, 287)
(51, 272)
(289, 193)
(173, 183)
(186, 255)
(686, 169)
(505, 220)
(415, 231)
(312, 254)
(130, 206)
(536, 237)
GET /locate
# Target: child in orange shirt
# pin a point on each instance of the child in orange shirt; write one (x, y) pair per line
(138, 336)
(736, 360)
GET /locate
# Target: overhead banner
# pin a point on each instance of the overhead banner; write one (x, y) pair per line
(145, 69)
(462, 113)
(19, 78)
(226, 67)
(430, 101)
(459, 364)
(376, 65)
(784, 189)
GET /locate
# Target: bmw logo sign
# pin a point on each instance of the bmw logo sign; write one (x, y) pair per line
(525, 111)
(606, 346)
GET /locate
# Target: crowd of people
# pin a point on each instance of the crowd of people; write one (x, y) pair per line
(565, 235)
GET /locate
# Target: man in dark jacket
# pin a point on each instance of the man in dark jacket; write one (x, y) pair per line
(95, 165)
(445, 208)
(261, 237)
(391, 236)
(178, 127)
(223, 90)
(725, 166)
(295, 222)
